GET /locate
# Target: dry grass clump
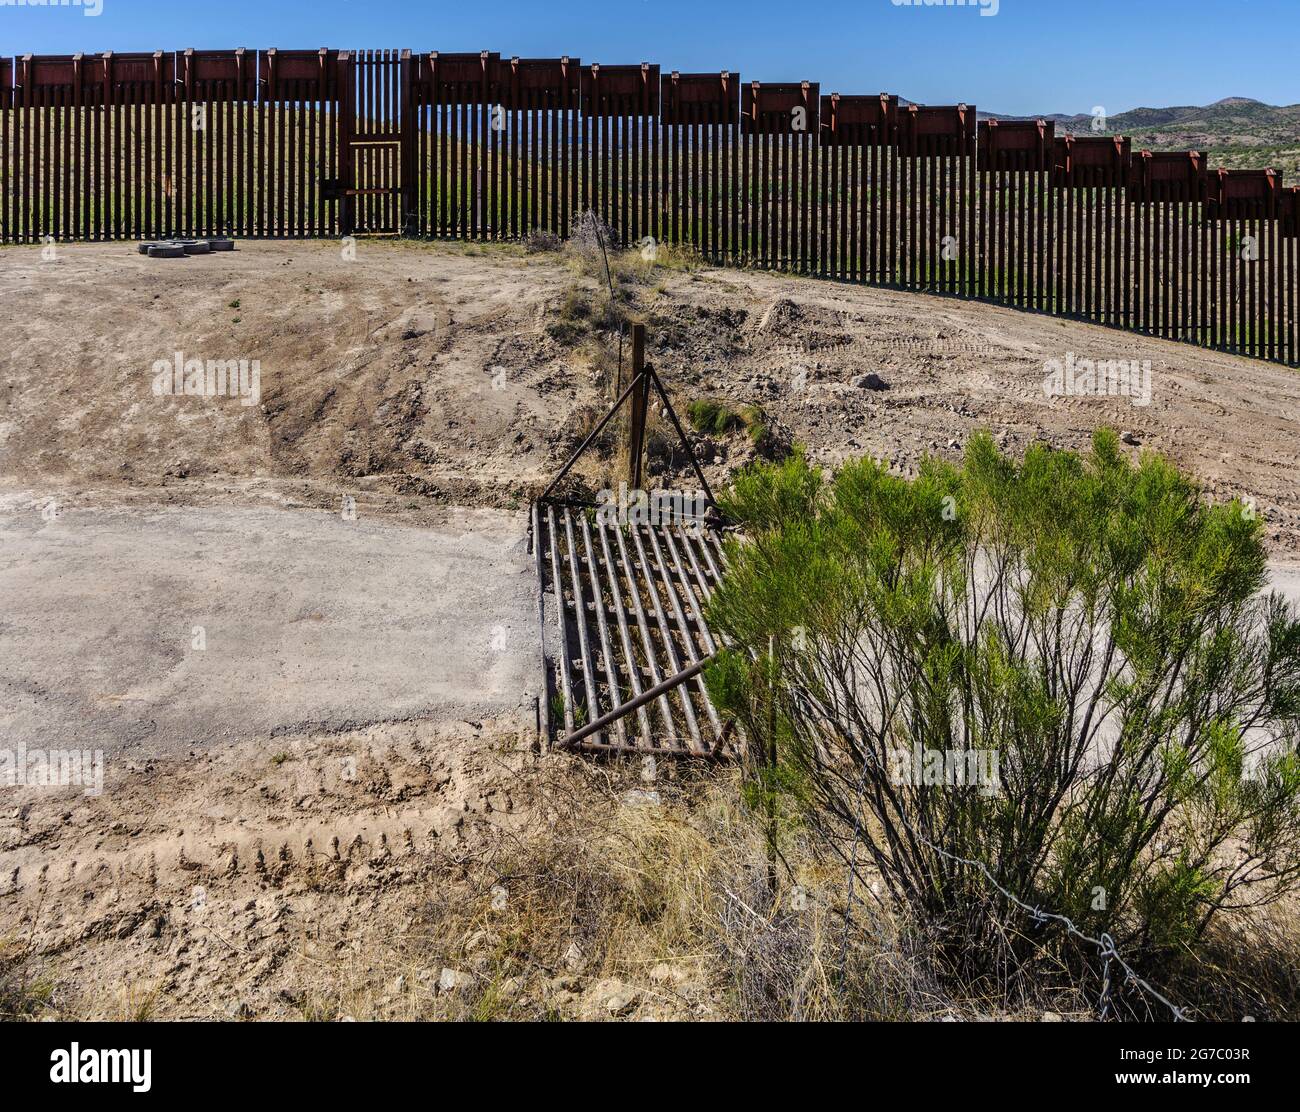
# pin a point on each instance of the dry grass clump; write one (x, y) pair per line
(635, 900)
(593, 251)
(26, 989)
(584, 312)
(1244, 969)
(539, 241)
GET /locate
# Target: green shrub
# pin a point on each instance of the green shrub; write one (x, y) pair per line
(1090, 630)
(708, 415)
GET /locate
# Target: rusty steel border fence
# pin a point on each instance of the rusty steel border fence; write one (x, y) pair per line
(865, 189)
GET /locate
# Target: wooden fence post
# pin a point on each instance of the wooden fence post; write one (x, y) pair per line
(640, 405)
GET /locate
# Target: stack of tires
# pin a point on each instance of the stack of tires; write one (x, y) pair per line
(179, 248)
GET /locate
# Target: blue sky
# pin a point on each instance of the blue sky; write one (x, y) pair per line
(1032, 56)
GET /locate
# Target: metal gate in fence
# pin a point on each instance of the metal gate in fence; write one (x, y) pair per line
(375, 89)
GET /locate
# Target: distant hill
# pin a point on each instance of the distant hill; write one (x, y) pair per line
(1236, 132)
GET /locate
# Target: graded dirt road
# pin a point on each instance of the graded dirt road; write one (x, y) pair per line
(156, 632)
(1285, 577)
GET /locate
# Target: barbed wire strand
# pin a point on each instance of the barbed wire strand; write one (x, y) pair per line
(1105, 944)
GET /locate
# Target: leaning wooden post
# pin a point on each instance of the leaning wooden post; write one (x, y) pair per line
(640, 403)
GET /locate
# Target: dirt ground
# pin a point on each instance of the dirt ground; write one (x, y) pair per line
(426, 383)
(413, 376)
